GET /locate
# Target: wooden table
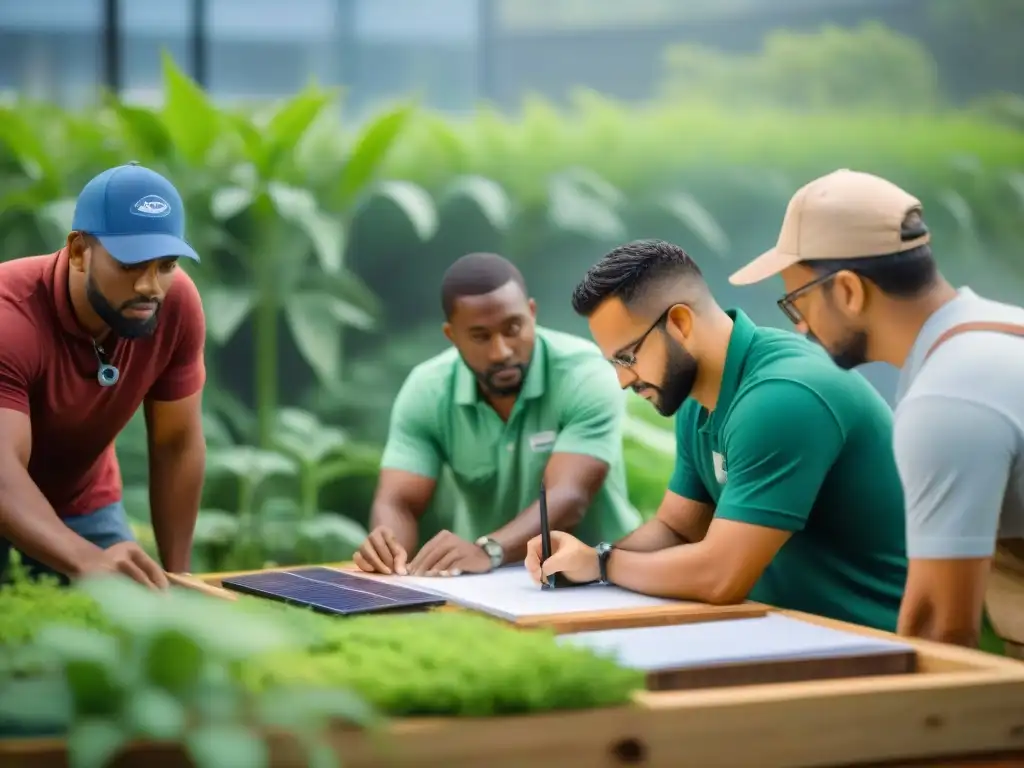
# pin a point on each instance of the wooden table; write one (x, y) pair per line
(961, 708)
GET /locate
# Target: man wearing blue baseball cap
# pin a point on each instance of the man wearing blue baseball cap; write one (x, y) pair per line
(90, 333)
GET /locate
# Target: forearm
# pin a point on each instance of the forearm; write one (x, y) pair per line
(652, 536)
(685, 572)
(176, 473)
(920, 618)
(402, 522)
(31, 525)
(566, 508)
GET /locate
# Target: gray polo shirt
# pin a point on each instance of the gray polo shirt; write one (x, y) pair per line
(959, 433)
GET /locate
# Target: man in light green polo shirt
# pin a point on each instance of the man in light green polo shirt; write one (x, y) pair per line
(510, 405)
(785, 489)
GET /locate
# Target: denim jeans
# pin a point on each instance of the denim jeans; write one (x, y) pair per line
(104, 527)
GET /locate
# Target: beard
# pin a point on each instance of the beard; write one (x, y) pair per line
(677, 384)
(850, 352)
(487, 379)
(125, 327)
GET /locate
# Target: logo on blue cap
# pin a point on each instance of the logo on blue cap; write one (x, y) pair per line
(151, 205)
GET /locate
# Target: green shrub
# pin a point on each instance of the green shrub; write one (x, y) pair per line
(440, 663)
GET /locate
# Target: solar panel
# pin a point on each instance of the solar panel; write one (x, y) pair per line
(330, 591)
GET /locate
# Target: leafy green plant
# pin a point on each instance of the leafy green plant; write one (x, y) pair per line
(111, 662)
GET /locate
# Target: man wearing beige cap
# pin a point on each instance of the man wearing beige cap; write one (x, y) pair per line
(855, 258)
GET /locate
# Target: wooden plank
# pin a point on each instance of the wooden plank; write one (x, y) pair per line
(748, 651)
(187, 581)
(662, 615)
(852, 722)
(785, 671)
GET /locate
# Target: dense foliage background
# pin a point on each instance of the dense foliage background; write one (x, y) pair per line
(324, 241)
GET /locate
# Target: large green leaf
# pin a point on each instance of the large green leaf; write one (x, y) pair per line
(413, 202)
(94, 743)
(325, 232)
(146, 132)
(369, 152)
(56, 217)
(34, 702)
(317, 333)
(153, 713)
(295, 709)
(698, 220)
(30, 151)
(173, 661)
(486, 194)
(289, 124)
(583, 204)
(226, 308)
(227, 746)
(301, 435)
(192, 120)
(229, 201)
(334, 530)
(249, 462)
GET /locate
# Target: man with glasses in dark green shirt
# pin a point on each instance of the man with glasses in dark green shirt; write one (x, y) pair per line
(785, 489)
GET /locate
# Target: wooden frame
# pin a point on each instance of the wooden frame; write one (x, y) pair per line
(958, 702)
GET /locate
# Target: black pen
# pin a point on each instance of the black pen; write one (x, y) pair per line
(545, 536)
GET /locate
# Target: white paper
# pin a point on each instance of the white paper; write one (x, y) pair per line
(511, 594)
(729, 641)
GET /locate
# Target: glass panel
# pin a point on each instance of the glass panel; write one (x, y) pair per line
(146, 29)
(51, 50)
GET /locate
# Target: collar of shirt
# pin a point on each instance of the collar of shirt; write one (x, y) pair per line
(740, 339)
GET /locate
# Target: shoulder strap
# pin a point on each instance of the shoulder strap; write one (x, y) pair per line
(956, 330)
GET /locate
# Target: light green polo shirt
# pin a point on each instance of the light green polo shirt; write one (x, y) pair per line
(571, 402)
(797, 444)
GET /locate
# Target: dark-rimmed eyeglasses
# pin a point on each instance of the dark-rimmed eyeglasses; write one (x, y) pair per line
(627, 356)
(787, 305)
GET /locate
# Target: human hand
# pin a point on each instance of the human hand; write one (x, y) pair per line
(127, 559)
(381, 553)
(569, 556)
(448, 555)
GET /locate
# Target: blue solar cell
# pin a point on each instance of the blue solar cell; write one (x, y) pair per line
(331, 591)
(363, 584)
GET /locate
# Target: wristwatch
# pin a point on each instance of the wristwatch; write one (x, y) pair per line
(493, 549)
(604, 551)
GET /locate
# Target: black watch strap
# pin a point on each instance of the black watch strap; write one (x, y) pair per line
(604, 551)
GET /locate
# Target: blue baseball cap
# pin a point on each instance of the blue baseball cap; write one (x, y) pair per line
(135, 213)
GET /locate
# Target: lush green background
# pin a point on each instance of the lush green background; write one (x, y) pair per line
(324, 241)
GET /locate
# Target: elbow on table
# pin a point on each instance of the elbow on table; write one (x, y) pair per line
(727, 594)
(728, 587)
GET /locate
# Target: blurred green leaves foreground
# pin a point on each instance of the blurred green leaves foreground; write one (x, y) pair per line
(324, 241)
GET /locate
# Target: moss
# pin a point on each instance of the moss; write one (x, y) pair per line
(449, 663)
(440, 663)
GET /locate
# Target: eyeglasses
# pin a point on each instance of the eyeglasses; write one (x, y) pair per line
(627, 360)
(787, 305)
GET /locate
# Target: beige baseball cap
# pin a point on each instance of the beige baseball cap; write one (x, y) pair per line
(843, 215)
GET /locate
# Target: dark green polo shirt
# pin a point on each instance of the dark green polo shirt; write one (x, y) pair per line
(571, 402)
(797, 444)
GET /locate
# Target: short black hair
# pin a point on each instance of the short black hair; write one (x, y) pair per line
(476, 274)
(905, 274)
(635, 273)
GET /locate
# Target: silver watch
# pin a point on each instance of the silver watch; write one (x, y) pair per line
(493, 549)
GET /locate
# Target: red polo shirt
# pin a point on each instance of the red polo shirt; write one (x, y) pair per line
(48, 370)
